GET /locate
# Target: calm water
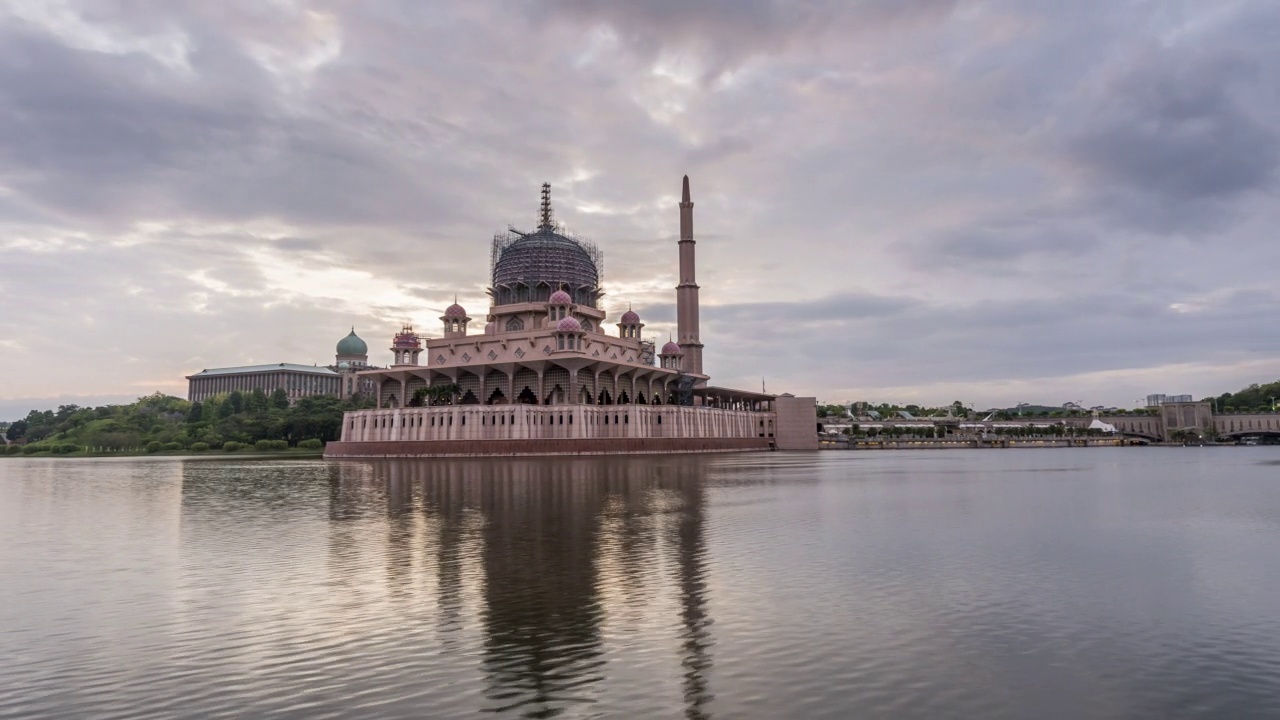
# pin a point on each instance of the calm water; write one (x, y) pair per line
(1100, 583)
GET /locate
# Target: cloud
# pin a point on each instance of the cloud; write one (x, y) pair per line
(1172, 137)
(911, 196)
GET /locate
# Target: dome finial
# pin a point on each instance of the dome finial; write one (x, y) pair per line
(546, 220)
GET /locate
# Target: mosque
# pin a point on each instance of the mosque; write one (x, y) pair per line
(544, 376)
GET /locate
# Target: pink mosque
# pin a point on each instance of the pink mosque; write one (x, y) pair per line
(544, 377)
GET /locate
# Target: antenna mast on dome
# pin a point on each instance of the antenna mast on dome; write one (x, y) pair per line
(546, 221)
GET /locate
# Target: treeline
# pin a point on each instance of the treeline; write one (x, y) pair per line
(1255, 398)
(165, 423)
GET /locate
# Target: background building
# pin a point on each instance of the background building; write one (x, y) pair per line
(340, 379)
(1158, 400)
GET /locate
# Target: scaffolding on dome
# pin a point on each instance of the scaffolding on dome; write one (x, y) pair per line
(528, 267)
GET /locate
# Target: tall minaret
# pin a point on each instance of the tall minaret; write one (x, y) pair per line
(687, 291)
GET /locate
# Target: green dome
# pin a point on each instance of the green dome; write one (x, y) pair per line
(352, 345)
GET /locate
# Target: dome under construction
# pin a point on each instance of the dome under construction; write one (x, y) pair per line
(529, 267)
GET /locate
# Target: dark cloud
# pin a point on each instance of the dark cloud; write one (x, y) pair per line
(723, 33)
(1173, 130)
(896, 195)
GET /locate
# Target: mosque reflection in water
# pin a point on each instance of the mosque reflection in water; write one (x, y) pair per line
(546, 553)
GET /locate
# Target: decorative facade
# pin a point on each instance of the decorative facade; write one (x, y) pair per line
(545, 369)
(342, 378)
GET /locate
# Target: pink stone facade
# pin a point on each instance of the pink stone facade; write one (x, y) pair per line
(531, 422)
(546, 367)
(581, 446)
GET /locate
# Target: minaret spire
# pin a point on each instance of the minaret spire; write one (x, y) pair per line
(546, 220)
(687, 290)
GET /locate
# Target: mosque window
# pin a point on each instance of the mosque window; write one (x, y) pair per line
(586, 326)
(560, 342)
(515, 324)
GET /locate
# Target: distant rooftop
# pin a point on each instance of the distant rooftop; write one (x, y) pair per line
(287, 367)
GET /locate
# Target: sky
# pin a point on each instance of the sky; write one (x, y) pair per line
(993, 202)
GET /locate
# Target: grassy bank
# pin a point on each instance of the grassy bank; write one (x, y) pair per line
(246, 453)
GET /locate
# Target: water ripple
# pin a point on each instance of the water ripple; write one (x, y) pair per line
(1081, 584)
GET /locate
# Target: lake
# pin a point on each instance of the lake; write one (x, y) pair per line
(1047, 583)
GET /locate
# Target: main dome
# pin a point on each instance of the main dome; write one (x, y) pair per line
(546, 256)
(352, 345)
(528, 267)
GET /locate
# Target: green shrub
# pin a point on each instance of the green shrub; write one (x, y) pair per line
(67, 448)
(173, 446)
(33, 449)
(262, 445)
(13, 450)
(199, 447)
(154, 446)
(311, 444)
(231, 446)
(279, 444)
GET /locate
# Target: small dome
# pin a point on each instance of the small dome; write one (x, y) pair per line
(560, 297)
(671, 349)
(455, 311)
(630, 318)
(569, 325)
(344, 365)
(352, 345)
(490, 328)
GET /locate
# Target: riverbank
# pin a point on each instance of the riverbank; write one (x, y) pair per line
(906, 444)
(251, 454)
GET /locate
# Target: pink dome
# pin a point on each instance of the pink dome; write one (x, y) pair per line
(569, 325)
(560, 297)
(671, 349)
(630, 318)
(455, 311)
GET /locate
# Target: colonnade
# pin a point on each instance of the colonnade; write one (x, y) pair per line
(523, 422)
(295, 384)
(549, 385)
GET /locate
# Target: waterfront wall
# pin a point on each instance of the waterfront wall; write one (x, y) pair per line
(553, 422)
(558, 446)
(797, 419)
(904, 444)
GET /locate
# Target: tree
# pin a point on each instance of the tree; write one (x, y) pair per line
(256, 401)
(443, 394)
(17, 430)
(279, 399)
(226, 409)
(236, 401)
(196, 413)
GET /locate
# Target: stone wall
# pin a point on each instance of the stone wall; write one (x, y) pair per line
(548, 422)
(797, 423)
(565, 446)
